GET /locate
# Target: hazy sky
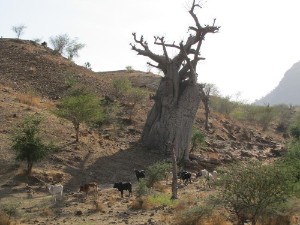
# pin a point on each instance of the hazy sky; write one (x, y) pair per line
(258, 42)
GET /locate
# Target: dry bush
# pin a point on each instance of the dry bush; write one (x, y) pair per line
(140, 203)
(99, 206)
(28, 99)
(4, 219)
(160, 187)
(32, 100)
(186, 203)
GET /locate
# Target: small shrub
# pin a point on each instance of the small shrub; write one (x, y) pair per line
(129, 69)
(142, 188)
(11, 209)
(194, 215)
(121, 87)
(198, 139)
(157, 172)
(99, 206)
(140, 203)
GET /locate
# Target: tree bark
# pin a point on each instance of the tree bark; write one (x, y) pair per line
(170, 120)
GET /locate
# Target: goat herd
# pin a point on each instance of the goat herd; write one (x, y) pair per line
(56, 190)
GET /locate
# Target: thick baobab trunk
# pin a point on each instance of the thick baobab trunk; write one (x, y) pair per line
(178, 96)
(171, 120)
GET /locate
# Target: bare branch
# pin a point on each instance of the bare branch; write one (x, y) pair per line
(146, 51)
(150, 64)
(162, 43)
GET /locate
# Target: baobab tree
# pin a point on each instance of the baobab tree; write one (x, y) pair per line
(178, 95)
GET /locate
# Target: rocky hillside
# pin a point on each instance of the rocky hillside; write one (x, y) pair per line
(287, 91)
(33, 77)
(27, 66)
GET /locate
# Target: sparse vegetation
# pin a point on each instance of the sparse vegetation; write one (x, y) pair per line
(129, 69)
(121, 87)
(64, 45)
(19, 30)
(124, 91)
(198, 139)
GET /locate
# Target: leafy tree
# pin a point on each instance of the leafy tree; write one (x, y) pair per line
(19, 30)
(73, 48)
(27, 143)
(64, 45)
(80, 107)
(60, 42)
(252, 190)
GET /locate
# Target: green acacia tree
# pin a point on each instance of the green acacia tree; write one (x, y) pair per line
(252, 190)
(80, 107)
(27, 143)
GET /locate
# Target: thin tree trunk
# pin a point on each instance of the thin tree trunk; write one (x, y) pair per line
(174, 172)
(29, 168)
(76, 126)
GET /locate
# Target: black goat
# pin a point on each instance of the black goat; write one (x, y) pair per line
(185, 176)
(124, 186)
(139, 174)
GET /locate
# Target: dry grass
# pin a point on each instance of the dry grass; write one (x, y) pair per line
(31, 100)
(99, 206)
(161, 187)
(4, 219)
(47, 212)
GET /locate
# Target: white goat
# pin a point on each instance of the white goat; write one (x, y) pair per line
(55, 189)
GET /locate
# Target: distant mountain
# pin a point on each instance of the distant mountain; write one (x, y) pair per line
(287, 91)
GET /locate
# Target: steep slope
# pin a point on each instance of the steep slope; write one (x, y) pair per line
(287, 91)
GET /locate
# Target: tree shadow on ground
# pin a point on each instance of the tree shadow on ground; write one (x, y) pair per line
(107, 170)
